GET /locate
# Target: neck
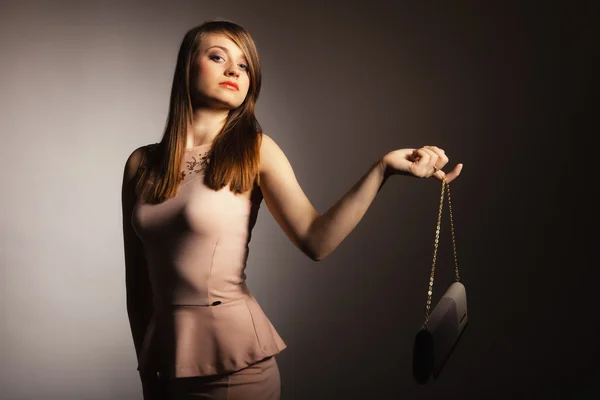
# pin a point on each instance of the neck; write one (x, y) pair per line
(207, 123)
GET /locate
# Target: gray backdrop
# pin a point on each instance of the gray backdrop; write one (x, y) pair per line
(501, 86)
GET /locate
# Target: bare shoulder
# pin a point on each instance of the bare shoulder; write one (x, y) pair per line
(266, 143)
(271, 154)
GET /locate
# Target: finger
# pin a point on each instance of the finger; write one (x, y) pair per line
(450, 176)
(413, 155)
(419, 167)
(423, 158)
(439, 174)
(432, 159)
(436, 149)
(441, 153)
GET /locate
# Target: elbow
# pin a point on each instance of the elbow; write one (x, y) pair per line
(313, 247)
(321, 254)
(315, 254)
(316, 257)
(312, 253)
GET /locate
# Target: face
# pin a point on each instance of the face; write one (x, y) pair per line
(220, 67)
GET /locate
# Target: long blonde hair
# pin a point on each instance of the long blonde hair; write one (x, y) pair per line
(234, 156)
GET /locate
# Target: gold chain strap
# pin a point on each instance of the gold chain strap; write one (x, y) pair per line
(445, 186)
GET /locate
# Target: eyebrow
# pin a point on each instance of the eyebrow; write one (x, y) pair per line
(226, 51)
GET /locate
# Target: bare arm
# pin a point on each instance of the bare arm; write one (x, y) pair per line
(137, 283)
(331, 228)
(317, 235)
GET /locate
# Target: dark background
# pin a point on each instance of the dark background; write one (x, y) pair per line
(502, 86)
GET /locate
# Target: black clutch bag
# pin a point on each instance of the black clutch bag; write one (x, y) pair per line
(443, 327)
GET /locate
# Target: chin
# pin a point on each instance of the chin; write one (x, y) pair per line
(220, 102)
(232, 104)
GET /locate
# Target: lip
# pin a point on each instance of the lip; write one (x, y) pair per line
(230, 84)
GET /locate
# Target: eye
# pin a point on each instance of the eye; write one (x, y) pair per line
(245, 67)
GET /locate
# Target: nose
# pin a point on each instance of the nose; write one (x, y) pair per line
(233, 70)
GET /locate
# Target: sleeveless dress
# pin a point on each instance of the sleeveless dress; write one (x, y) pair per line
(206, 321)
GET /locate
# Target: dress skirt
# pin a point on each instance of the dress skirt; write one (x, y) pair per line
(259, 381)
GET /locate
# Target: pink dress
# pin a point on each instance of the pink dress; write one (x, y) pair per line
(206, 321)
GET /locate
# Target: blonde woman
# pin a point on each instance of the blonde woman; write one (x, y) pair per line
(189, 205)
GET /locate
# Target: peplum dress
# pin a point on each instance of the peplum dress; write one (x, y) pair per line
(206, 320)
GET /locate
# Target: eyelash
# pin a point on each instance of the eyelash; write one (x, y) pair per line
(245, 67)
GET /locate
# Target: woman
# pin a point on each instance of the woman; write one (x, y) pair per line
(189, 205)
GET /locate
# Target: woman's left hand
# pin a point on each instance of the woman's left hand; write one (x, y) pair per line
(425, 162)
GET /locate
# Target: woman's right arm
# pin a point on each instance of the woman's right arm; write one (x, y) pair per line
(137, 282)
